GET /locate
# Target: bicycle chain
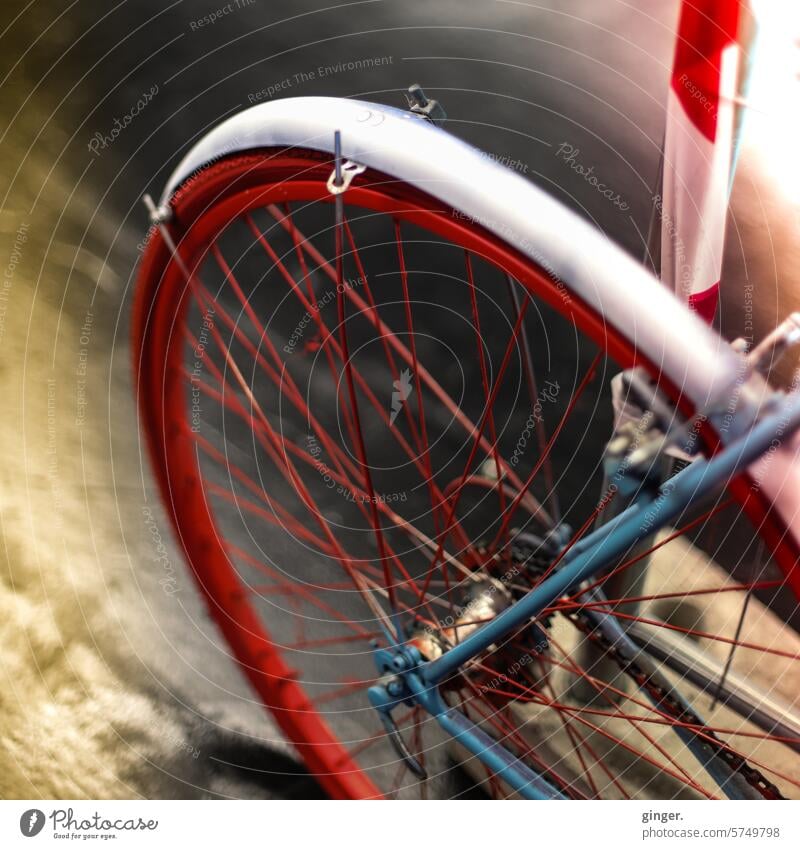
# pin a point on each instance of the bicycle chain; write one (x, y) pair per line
(666, 701)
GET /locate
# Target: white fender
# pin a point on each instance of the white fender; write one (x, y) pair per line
(408, 147)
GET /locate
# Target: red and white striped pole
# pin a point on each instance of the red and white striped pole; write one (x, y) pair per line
(698, 149)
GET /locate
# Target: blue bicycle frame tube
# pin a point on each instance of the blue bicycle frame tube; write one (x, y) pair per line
(609, 543)
(527, 782)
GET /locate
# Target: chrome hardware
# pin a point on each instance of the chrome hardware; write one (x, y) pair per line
(343, 172)
(419, 104)
(767, 353)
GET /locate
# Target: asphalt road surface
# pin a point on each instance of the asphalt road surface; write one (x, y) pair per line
(113, 682)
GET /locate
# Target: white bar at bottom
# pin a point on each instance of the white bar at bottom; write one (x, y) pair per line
(350, 825)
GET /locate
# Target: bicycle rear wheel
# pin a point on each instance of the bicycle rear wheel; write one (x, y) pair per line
(350, 425)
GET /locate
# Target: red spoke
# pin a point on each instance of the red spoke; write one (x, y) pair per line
(495, 786)
(284, 519)
(302, 591)
(323, 642)
(679, 532)
(362, 275)
(485, 379)
(533, 507)
(576, 537)
(614, 602)
(601, 686)
(347, 689)
(423, 429)
(587, 378)
(577, 739)
(359, 434)
(267, 515)
(695, 633)
(475, 445)
(533, 392)
(329, 355)
(603, 693)
(271, 589)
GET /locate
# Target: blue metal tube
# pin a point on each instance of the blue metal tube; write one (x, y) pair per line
(500, 761)
(517, 774)
(618, 535)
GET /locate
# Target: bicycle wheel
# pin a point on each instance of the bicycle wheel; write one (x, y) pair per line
(353, 428)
